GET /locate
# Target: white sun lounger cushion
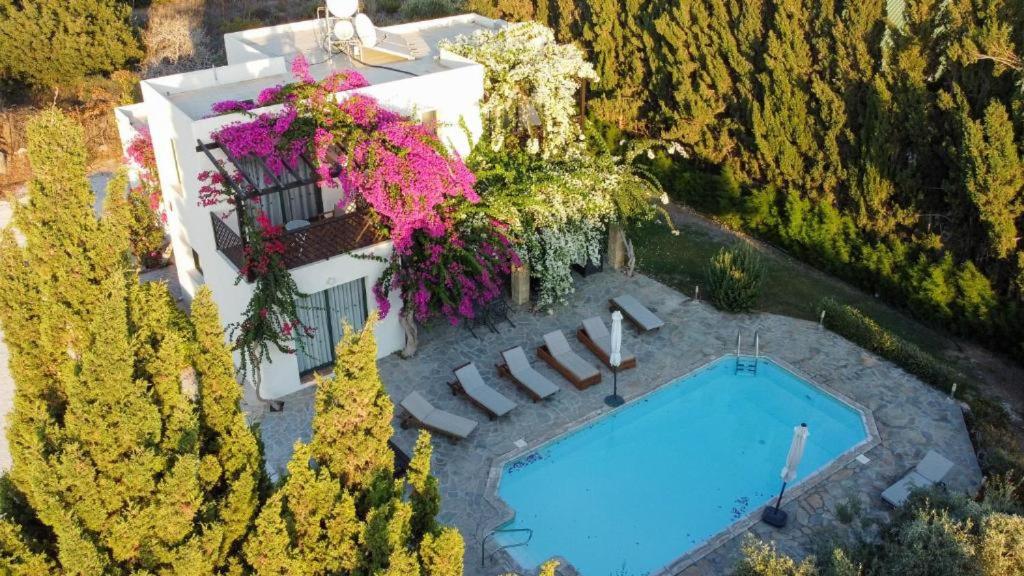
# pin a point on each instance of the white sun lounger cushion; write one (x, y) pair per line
(474, 387)
(931, 470)
(599, 335)
(520, 368)
(638, 313)
(559, 348)
(423, 411)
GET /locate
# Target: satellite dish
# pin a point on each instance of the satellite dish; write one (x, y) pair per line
(343, 30)
(342, 8)
(365, 30)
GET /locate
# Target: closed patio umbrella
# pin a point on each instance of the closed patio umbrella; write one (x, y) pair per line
(772, 514)
(796, 453)
(615, 358)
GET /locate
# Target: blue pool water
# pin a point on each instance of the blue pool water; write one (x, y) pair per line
(635, 490)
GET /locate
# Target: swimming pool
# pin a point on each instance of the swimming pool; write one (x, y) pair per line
(644, 485)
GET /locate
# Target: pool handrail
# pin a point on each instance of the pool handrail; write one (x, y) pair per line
(483, 543)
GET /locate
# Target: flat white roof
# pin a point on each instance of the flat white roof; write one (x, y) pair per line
(265, 48)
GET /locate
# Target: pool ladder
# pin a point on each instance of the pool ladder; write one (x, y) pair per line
(748, 364)
(483, 543)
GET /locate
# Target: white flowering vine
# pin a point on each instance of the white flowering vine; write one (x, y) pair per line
(530, 86)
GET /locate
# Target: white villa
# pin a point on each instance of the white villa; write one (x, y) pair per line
(407, 73)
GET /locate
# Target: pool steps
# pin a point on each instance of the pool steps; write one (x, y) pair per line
(748, 364)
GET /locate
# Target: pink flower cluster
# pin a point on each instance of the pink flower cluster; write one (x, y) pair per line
(400, 171)
(140, 153)
(395, 166)
(258, 257)
(453, 276)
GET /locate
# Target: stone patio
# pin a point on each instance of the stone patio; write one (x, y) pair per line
(910, 416)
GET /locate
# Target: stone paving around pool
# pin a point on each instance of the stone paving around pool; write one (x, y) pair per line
(910, 416)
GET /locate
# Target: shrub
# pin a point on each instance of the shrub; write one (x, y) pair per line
(388, 6)
(176, 41)
(762, 559)
(1001, 545)
(50, 43)
(735, 276)
(930, 543)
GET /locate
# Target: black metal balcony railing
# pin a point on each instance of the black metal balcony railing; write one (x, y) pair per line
(322, 239)
(228, 242)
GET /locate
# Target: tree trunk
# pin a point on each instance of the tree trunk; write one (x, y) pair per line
(411, 333)
(616, 238)
(630, 256)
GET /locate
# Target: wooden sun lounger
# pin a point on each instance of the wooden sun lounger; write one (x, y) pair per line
(557, 353)
(421, 413)
(469, 383)
(931, 470)
(516, 367)
(595, 336)
(635, 312)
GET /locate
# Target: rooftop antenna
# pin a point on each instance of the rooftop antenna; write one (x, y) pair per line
(343, 29)
(335, 27)
(365, 30)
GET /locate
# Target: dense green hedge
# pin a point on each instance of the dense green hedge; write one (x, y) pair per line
(994, 438)
(859, 328)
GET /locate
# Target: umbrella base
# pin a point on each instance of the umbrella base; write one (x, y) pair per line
(774, 517)
(614, 400)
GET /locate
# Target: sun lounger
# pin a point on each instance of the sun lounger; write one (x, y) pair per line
(422, 413)
(517, 367)
(558, 355)
(931, 470)
(595, 336)
(469, 382)
(635, 312)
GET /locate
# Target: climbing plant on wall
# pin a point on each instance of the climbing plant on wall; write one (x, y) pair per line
(385, 163)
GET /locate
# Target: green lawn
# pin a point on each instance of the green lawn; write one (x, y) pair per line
(791, 288)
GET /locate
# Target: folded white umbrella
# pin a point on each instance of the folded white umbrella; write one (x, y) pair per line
(615, 355)
(796, 453)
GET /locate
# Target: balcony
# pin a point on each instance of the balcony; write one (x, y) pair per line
(293, 200)
(323, 238)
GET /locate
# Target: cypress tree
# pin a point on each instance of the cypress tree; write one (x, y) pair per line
(991, 175)
(48, 287)
(352, 418)
(425, 493)
(17, 558)
(615, 35)
(309, 526)
(441, 553)
(703, 60)
(232, 469)
(339, 509)
(139, 222)
(796, 116)
(111, 454)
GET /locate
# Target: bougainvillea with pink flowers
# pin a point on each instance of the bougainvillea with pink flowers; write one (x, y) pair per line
(272, 316)
(145, 201)
(392, 166)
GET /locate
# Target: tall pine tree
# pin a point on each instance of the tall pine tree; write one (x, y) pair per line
(991, 176)
(340, 509)
(352, 414)
(113, 454)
